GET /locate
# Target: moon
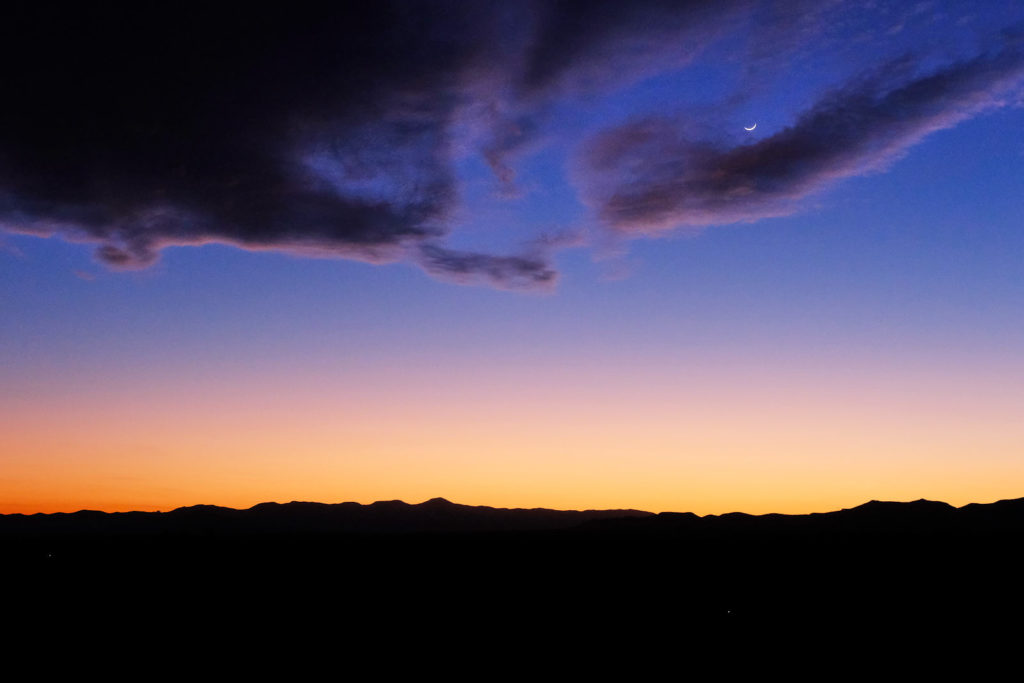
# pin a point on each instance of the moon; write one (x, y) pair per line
(751, 128)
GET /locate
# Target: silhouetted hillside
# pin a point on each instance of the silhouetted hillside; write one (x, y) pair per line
(598, 578)
(920, 517)
(877, 518)
(383, 517)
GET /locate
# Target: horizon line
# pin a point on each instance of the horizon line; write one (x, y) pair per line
(439, 499)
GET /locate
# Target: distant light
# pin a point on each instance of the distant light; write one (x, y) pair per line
(751, 128)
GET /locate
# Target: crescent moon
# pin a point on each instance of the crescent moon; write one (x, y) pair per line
(751, 128)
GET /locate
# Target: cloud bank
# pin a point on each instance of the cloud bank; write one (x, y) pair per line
(338, 130)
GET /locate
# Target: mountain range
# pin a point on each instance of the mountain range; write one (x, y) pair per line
(477, 575)
(439, 515)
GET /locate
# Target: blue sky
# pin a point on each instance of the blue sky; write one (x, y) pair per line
(899, 272)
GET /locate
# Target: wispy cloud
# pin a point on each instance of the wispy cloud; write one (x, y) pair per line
(647, 176)
(466, 267)
(338, 132)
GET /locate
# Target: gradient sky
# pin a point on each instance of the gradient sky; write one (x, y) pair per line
(513, 254)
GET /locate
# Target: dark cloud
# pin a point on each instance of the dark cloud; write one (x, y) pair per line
(336, 130)
(648, 176)
(310, 129)
(521, 272)
(292, 128)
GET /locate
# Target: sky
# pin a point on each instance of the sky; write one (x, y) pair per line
(512, 254)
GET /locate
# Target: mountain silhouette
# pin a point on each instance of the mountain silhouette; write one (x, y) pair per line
(436, 515)
(439, 515)
(593, 579)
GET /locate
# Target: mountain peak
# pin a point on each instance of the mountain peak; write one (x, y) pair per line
(437, 502)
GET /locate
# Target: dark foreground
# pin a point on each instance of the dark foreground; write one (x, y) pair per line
(881, 574)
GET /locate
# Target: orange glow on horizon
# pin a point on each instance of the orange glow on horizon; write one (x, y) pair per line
(647, 438)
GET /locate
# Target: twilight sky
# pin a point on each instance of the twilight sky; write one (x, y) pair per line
(512, 253)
